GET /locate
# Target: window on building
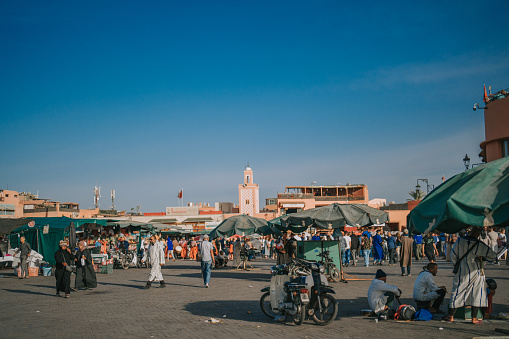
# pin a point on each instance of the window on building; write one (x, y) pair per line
(247, 202)
(247, 179)
(505, 148)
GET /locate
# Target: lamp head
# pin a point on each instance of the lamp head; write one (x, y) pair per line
(466, 161)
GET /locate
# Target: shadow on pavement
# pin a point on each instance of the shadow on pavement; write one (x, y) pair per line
(29, 292)
(45, 286)
(233, 274)
(247, 310)
(139, 287)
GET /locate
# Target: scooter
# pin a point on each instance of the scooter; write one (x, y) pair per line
(330, 268)
(299, 297)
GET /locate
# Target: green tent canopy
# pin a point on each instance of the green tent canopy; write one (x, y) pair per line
(477, 197)
(240, 224)
(98, 222)
(45, 244)
(275, 226)
(334, 216)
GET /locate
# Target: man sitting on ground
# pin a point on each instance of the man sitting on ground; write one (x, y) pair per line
(426, 293)
(381, 295)
(220, 260)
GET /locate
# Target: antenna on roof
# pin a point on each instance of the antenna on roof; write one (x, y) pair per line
(97, 195)
(112, 200)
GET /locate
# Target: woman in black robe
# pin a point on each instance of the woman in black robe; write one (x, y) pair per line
(64, 258)
(85, 275)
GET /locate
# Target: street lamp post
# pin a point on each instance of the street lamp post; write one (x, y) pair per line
(466, 161)
(428, 186)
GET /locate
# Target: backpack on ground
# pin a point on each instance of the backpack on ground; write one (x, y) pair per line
(423, 315)
(404, 312)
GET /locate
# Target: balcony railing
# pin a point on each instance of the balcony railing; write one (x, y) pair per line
(39, 210)
(338, 198)
(317, 198)
(295, 196)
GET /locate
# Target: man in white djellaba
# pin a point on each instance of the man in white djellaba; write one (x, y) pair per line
(155, 256)
(469, 282)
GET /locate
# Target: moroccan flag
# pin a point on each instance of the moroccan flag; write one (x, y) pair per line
(180, 194)
(443, 178)
(485, 98)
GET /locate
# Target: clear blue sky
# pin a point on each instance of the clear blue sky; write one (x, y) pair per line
(150, 97)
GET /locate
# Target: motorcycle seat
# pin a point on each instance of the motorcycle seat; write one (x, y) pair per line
(307, 261)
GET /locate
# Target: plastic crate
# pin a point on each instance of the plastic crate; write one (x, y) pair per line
(33, 271)
(107, 269)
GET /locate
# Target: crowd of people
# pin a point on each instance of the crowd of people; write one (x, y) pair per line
(468, 252)
(393, 247)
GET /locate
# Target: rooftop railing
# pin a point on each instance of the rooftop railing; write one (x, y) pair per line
(318, 198)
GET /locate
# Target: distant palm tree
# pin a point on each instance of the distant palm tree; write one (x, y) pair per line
(417, 195)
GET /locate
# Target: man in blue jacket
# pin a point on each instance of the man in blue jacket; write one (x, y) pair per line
(419, 250)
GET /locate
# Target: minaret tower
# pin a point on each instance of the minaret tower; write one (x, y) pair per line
(249, 196)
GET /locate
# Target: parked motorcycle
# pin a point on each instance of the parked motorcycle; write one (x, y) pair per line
(300, 297)
(121, 259)
(331, 270)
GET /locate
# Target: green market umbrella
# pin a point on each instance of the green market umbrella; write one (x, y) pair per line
(334, 216)
(477, 197)
(275, 226)
(240, 224)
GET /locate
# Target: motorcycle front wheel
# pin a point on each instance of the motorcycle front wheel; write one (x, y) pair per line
(125, 263)
(298, 318)
(266, 306)
(328, 311)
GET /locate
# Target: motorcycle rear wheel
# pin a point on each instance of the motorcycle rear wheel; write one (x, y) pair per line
(298, 318)
(335, 274)
(266, 306)
(329, 310)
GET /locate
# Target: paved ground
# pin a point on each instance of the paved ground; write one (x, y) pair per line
(119, 307)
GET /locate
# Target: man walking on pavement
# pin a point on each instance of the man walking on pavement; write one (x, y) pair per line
(207, 258)
(405, 260)
(25, 250)
(391, 246)
(155, 256)
(354, 247)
